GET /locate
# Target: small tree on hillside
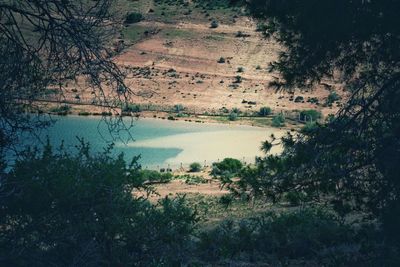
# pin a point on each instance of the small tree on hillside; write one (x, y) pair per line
(265, 111)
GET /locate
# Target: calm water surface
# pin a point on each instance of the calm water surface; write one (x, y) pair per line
(163, 143)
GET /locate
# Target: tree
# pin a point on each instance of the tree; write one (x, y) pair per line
(87, 210)
(355, 157)
(46, 44)
(227, 166)
(265, 111)
(195, 167)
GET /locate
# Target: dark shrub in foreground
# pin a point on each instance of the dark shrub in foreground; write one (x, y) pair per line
(62, 210)
(310, 235)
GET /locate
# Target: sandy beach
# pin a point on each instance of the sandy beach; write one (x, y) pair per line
(208, 147)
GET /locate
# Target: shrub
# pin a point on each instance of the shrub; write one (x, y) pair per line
(238, 79)
(133, 17)
(236, 110)
(79, 209)
(151, 176)
(313, 100)
(265, 111)
(226, 200)
(310, 115)
(310, 127)
(227, 166)
(278, 120)
(193, 179)
(178, 108)
(214, 24)
(195, 167)
(61, 110)
(233, 116)
(299, 99)
(241, 34)
(132, 108)
(221, 60)
(261, 27)
(240, 69)
(311, 233)
(332, 97)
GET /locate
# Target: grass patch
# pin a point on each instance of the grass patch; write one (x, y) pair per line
(177, 33)
(134, 33)
(215, 37)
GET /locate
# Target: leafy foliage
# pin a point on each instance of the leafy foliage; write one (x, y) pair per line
(278, 120)
(310, 115)
(61, 209)
(233, 116)
(352, 162)
(332, 97)
(44, 45)
(227, 166)
(150, 177)
(214, 24)
(311, 234)
(265, 111)
(195, 167)
(133, 17)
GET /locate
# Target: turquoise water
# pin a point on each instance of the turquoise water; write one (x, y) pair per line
(97, 132)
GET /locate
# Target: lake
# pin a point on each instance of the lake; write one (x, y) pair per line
(163, 143)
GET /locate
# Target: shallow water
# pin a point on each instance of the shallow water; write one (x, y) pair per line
(163, 143)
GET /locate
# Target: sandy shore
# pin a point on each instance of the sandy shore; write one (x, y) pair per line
(208, 147)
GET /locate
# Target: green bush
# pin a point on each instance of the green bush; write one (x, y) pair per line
(265, 111)
(214, 24)
(310, 115)
(80, 210)
(226, 200)
(278, 120)
(261, 27)
(133, 17)
(195, 167)
(61, 110)
(132, 108)
(332, 97)
(221, 60)
(151, 176)
(311, 234)
(299, 99)
(193, 180)
(233, 116)
(227, 166)
(178, 108)
(238, 79)
(309, 128)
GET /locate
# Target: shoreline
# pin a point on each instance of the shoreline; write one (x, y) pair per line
(97, 111)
